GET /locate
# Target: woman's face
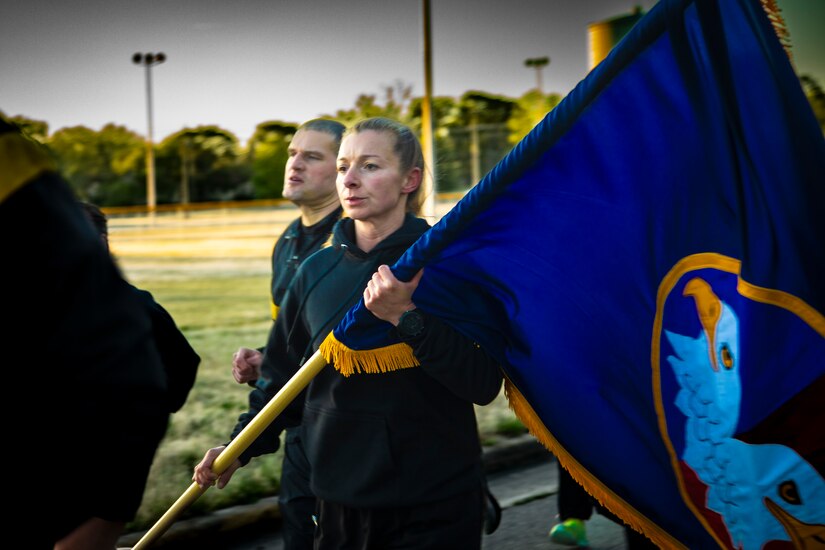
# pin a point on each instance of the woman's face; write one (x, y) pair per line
(370, 183)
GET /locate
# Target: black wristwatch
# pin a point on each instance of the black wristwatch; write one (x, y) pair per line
(411, 324)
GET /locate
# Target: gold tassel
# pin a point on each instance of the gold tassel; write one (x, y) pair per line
(779, 27)
(593, 486)
(350, 361)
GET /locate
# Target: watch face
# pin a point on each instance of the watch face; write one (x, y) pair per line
(411, 323)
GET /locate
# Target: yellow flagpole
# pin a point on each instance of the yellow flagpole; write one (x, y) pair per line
(249, 434)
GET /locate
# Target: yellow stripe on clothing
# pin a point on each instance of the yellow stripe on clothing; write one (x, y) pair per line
(21, 160)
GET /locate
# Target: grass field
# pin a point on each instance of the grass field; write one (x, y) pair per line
(211, 271)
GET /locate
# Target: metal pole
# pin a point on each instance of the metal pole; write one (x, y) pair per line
(475, 150)
(151, 198)
(427, 141)
(184, 149)
(147, 60)
(538, 63)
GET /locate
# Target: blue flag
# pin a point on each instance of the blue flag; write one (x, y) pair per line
(648, 265)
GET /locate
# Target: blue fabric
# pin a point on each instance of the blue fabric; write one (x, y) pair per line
(689, 154)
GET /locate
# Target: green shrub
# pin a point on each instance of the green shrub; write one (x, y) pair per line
(510, 427)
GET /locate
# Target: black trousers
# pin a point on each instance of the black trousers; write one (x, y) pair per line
(575, 502)
(295, 499)
(452, 523)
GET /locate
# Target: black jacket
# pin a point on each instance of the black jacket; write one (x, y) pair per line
(180, 362)
(375, 440)
(72, 324)
(296, 244)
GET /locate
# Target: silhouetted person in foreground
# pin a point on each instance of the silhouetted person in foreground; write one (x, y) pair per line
(92, 380)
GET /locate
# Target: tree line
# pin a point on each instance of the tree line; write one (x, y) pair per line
(208, 163)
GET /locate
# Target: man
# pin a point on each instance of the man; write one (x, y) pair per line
(309, 182)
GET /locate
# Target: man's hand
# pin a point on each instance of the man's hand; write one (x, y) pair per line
(206, 477)
(387, 297)
(246, 365)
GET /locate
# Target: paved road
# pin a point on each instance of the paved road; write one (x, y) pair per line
(527, 496)
(524, 478)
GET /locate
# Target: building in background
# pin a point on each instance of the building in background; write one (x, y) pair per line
(603, 35)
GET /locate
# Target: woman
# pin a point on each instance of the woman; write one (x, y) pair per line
(395, 457)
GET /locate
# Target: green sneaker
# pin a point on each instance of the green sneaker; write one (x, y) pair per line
(570, 533)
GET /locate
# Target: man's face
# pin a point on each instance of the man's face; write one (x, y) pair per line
(310, 170)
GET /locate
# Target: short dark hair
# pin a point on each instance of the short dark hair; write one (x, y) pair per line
(327, 126)
(97, 217)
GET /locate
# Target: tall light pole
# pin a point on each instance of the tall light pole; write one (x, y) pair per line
(537, 63)
(427, 137)
(148, 60)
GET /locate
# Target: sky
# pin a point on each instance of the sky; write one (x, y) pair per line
(238, 63)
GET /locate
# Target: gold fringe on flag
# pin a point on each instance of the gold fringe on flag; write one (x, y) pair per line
(593, 486)
(372, 361)
(779, 27)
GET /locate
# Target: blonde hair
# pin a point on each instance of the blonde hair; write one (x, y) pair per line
(407, 148)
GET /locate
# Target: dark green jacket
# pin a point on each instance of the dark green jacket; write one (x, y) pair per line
(296, 244)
